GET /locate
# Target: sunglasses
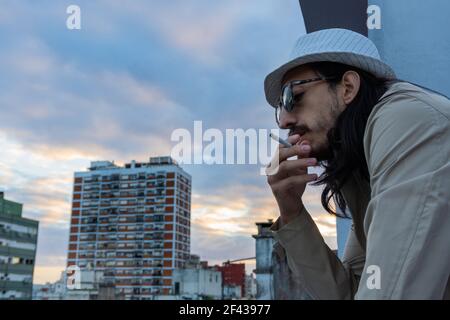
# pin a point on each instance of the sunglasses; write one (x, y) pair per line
(288, 99)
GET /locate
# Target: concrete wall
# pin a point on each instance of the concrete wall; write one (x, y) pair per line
(197, 282)
(263, 254)
(414, 39)
(264, 267)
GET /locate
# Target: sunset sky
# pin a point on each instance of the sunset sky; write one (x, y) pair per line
(117, 88)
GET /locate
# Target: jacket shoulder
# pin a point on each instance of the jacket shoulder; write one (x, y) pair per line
(407, 117)
(405, 101)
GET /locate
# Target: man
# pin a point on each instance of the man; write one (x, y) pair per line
(385, 148)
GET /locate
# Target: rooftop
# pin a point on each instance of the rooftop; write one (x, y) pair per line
(153, 161)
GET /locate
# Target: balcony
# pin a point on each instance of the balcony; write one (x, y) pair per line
(109, 273)
(157, 274)
(87, 238)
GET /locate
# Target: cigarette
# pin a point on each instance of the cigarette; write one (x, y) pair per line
(279, 140)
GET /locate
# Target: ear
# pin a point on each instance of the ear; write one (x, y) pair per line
(350, 85)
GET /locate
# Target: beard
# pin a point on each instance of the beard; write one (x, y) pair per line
(320, 149)
(323, 148)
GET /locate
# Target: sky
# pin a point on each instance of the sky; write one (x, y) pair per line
(116, 90)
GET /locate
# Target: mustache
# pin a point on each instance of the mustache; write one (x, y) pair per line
(300, 129)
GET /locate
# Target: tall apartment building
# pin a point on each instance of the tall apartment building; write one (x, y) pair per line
(18, 240)
(132, 223)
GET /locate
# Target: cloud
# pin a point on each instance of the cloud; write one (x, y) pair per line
(51, 253)
(51, 113)
(116, 89)
(223, 221)
(197, 28)
(42, 184)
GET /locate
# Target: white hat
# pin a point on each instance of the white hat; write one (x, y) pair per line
(334, 45)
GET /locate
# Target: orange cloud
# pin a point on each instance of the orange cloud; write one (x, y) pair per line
(48, 273)
(236, 210)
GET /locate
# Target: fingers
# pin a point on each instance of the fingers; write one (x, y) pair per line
(299, 148)
(293, 139)
(302, 151)
(294, 182)
(291, 168)
(296, 166)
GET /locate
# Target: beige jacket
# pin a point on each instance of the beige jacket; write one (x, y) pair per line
(405, 233)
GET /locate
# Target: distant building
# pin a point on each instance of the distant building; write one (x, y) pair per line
(198, 283)
(18, 240)
(88, 287)
(264, 247)
(233, 275)
(132, 223)
(91, 286)
(193, 261)
(50, 291)
(232, 292)
(250, 286)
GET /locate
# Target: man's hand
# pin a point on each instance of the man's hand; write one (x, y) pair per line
(289, 183)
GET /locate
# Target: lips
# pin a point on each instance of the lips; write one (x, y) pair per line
(301, 133)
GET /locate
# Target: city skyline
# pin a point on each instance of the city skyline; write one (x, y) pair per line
(118, 87)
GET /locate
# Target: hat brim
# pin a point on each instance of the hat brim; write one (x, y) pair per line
(273, 81)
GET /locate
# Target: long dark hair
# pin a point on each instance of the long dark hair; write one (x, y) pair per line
(346, 137)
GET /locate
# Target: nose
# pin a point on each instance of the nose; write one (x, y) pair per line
(287, 119)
